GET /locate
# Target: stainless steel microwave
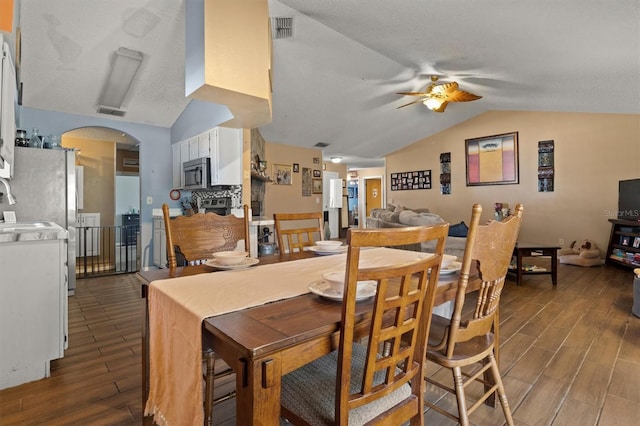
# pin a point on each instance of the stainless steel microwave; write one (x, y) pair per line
(197, 173)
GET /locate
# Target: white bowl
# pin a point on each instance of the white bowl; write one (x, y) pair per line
(447, 260)
(230, 257)
(336, 280)
(328, 245)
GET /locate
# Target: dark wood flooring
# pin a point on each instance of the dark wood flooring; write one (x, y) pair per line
(570, 356)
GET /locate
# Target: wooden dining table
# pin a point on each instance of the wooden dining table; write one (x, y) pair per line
(263, 343)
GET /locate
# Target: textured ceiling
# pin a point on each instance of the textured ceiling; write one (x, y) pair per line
(336, 79)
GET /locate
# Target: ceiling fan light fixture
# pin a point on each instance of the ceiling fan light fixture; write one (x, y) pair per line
(433, 103)
(336, 160)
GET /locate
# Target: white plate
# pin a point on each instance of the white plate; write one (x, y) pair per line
(249, 261)
(323, 288)
(452, 268)
(325, 252)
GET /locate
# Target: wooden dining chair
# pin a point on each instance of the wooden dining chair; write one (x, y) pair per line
(362, 382)
(195, 238)
(298, 230)
(459, 342)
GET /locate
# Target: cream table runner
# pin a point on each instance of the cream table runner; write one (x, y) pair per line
(177, 307)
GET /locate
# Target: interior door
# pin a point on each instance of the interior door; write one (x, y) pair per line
(373, 198)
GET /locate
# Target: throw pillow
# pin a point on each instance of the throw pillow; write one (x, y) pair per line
(411, 218)
(458, 230)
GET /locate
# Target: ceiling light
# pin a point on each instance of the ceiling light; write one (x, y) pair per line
(433, 103)
(123, 69)
(336, 159)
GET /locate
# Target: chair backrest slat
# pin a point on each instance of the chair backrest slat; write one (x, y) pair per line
(298, 230)
(196, 237)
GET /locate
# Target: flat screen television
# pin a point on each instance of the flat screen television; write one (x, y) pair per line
(629, 199)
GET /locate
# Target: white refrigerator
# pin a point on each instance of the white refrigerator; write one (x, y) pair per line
(44, 184)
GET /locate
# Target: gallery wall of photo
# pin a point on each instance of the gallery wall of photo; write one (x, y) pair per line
(420, 179)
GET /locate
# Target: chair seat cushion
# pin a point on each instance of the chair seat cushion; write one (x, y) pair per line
(310, 390)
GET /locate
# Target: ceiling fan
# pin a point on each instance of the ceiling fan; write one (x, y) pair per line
(437, 96)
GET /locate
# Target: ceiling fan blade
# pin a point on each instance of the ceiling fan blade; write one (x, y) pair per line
(413, 93)
(461, 96)
(410, 103)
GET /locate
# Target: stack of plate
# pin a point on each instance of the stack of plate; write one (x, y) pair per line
(324, 248)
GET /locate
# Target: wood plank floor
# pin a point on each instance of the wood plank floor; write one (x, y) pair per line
(570, 356)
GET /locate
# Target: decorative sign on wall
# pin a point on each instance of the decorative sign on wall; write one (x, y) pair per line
(306, 182)
(411, 180)
(545, 166)
(445, 173)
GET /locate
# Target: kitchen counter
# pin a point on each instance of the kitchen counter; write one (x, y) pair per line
(31, 231)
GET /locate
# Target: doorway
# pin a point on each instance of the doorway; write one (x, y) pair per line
(109, 160)
(373, 194)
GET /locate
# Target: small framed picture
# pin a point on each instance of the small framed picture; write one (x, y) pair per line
(636, 242)
(282, 174)
(624, 241)
(316, 186)
(296, 168)
(317, 173)
(316, 160)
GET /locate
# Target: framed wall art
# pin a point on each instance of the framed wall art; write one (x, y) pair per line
(492, 160)
(420, 179)
(445, 173)
(317, 173)
(545, 166)
(282, 174)
(317, 186)
(306, 182)
(296, 168)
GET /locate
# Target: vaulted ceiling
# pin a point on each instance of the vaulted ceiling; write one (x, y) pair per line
(335, 80)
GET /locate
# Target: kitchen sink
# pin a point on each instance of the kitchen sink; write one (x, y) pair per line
(37, 230)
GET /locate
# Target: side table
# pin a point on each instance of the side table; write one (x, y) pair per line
(525, 249)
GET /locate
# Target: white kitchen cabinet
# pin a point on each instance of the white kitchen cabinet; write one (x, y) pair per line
(184, 151)
(159, 243)
(88, 233)
(194, 149)
(33, 304)
(204, 146)
(222, 145)
(229, 158)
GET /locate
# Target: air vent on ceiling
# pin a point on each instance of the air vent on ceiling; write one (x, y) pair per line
(282, 27)
(111, 111)
(322, 145)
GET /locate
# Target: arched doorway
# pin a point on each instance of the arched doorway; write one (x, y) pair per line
(108, 193)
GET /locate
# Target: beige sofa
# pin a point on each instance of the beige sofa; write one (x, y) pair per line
(400, 217)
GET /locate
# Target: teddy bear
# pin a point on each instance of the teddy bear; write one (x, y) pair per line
(581, 253)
